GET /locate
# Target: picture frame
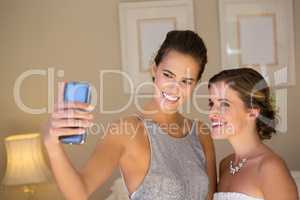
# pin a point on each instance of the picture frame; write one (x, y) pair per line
(280, 107)
(259, 34)
(143, 27)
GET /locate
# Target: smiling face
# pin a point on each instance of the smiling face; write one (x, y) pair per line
(228, 113)
(175, 78)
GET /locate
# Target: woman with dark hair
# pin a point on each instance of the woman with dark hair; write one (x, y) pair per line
(241, 111)
(161, 154)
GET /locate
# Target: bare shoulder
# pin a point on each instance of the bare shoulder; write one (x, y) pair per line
(276, 181)
(122, 130)
(110, 148)
(125, 124)
(271, 164)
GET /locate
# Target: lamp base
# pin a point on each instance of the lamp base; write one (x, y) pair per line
(29, 192)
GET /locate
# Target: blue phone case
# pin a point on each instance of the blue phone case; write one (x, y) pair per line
(76, 92)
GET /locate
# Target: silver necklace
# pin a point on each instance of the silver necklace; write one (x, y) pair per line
(235, 169)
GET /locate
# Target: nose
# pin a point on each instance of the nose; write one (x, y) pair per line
(173, 87)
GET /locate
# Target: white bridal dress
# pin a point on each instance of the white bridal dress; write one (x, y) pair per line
(233, 196)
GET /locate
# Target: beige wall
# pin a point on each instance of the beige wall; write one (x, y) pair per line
(81, 38)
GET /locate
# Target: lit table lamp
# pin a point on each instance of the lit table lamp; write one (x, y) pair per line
(25, 162)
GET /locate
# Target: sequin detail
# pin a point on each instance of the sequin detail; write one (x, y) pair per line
(177, 168)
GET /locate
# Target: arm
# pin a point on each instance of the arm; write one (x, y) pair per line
(106, 156)
(209, 151)
(75, 184)
(223, 167)
(79, 184)
(64, 173)
(276, 182)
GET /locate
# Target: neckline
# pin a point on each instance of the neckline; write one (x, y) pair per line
(165, 133)
(172, 137)
(237, 193)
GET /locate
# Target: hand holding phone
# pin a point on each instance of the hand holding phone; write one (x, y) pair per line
(76, 92)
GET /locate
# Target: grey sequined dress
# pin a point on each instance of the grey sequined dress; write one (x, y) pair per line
(177, 168)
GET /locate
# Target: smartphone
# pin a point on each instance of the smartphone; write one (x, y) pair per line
(76, 92)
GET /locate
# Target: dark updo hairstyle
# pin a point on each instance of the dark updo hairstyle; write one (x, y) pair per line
(254, 92)
(186, 42)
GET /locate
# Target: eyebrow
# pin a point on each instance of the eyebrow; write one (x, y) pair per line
(223, 99)
(165, 70)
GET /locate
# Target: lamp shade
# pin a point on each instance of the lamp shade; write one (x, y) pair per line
(25, 161)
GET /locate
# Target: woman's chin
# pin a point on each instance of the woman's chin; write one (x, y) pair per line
(168, 106)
